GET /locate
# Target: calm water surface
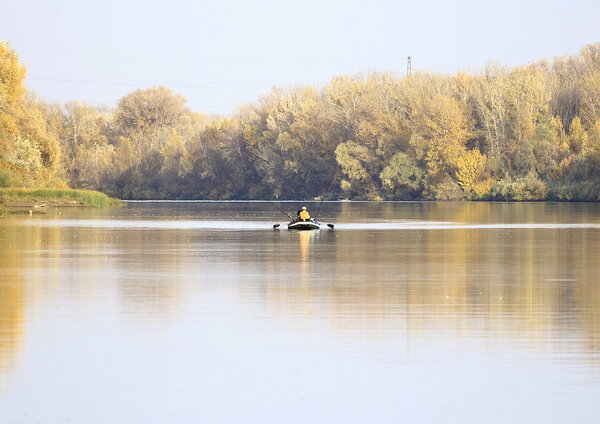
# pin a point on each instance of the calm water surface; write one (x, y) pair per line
(200, 312)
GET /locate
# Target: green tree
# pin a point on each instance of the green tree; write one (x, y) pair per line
(402, 178)
(357, 164)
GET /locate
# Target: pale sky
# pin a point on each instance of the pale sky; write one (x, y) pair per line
(221, 54)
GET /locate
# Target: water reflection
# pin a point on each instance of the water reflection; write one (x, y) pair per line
(480, 283)
(11, 315)
(530, 287)
(147, 273)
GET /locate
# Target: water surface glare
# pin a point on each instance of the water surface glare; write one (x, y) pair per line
(179, 312)
(248, 225)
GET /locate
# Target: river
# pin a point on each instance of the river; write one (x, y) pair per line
(185, 312)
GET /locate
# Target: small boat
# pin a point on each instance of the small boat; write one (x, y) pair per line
(297, 224)
(309, 224)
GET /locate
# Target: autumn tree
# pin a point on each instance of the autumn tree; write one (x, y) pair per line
(402, 179)
(29, 152)
(357, 163)
(470, 167)
(490, 110)
(16, 153)
(527, 99)
(526, 133)
(440, 136)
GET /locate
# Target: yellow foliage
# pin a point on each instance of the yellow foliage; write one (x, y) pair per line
(290, 165)
(469, 168)
(441, 134)
(11, 75)
(590, 97)
(528, 98)
(379, 132)
(577, 138)
(442, 119)
(482, 188)
(561, 137)
(593, 148)
(374, 196)
(81, 124)
(354, 159)
(149, 111)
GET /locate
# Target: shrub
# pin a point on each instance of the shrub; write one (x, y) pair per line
(8, 179)
(87, 197)
(525, 188)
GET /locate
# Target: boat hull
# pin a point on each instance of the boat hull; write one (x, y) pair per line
(303, 225)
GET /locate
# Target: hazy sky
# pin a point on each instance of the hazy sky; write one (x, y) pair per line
(222, 53)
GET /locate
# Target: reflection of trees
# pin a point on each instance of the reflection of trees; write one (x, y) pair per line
(150, 274)
(40, 264)
(535, 288)
(11, 306)
(31, 270)
(11, 324)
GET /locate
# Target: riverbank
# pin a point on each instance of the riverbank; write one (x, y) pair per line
(24, 200)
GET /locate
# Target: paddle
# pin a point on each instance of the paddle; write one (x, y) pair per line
(289, 215)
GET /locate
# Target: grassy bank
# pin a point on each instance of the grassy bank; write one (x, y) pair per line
(12, 197)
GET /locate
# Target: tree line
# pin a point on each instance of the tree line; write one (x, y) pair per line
(526, 133)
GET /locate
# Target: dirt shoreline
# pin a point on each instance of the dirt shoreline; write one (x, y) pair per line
(25, 206)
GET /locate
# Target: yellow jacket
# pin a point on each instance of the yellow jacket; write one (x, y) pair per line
(303, 215)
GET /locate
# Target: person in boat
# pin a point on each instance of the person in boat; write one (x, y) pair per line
(303, 214)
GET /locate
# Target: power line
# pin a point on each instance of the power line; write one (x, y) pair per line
(216, 59)
(124, 82)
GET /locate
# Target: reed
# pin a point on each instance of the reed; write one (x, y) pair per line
(11, 195)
